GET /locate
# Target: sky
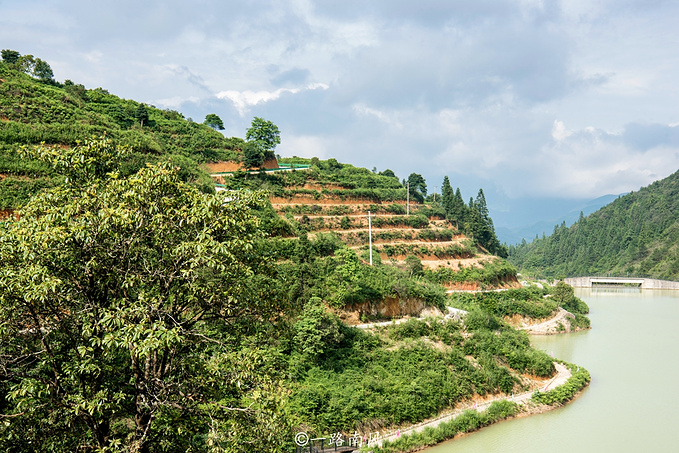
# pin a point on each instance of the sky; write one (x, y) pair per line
(537, 102)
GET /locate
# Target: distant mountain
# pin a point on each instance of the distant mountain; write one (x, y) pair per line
(636, 234)
(514, 235)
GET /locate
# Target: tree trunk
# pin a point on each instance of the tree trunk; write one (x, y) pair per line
(142, 421)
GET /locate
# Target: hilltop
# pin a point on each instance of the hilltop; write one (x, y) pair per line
(637, 234)
(34, 111)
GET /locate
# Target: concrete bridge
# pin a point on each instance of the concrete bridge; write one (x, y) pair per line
(643, 283)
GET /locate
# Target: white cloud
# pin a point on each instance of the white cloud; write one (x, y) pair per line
(243, 100)
(559, 132)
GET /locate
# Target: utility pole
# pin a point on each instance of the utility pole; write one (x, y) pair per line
(370, 238)
(407, 197)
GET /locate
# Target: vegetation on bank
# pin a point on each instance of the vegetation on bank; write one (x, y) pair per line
(531, 302)
(467, 422)
(115, 331)
(406, 373)
(472, 420)
(560, 395)
(636, 235)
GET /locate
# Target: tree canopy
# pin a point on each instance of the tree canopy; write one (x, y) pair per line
(418, 186)
(10, 56)
(141, 113)
(214, 121)
(264, 134)
(126, 311)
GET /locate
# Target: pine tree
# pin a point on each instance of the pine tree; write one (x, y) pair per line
(447, 196)
(459, 210)
(481, 206)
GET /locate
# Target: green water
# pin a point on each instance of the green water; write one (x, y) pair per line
(632, 404)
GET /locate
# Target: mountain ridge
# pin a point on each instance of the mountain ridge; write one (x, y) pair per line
(636, 234)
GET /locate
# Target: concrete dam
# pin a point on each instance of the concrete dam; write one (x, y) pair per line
(643, 283)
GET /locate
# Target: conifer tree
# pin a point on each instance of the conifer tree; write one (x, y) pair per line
(447, 196)
(459, 209)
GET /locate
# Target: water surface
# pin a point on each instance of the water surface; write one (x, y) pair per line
(632, 404)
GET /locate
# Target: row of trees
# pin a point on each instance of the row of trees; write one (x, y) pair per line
(261, 139)
(473, 218)
(29, 64)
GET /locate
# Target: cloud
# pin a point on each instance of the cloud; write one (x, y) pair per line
(589, 162)
(559, 132)
(294, 76)
(243, 100)
(529, 97)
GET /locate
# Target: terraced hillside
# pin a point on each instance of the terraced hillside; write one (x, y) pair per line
(34, 112)
(332, 198)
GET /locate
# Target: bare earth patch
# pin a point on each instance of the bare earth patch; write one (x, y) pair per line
(560, 323)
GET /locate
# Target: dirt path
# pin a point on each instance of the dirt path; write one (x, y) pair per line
(562, 375)
(551, 326)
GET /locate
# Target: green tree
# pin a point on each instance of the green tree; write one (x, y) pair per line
(481, 206)
(317, 330)
(214, 121)
(265, 135)
(43, 71)
(10, 56)
(125, 311)
(141, 113)
(447, 196)
(459, 209)
(414, 266)
(480, 225)
(253, 155)
(389, 173)
(25, 63)
(418, 186)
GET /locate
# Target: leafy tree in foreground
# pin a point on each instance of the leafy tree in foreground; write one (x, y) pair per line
(214, 121)
(131, 317)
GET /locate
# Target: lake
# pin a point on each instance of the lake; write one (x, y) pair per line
(632, 403)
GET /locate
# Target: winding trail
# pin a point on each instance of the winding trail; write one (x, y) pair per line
(562, 375)
(551, 326)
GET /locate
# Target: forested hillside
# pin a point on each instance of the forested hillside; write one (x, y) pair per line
(637, 234)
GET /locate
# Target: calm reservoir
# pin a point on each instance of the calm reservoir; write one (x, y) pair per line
(632, 403)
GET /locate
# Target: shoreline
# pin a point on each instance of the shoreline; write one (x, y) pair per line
(525, 406)
(527, 410)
